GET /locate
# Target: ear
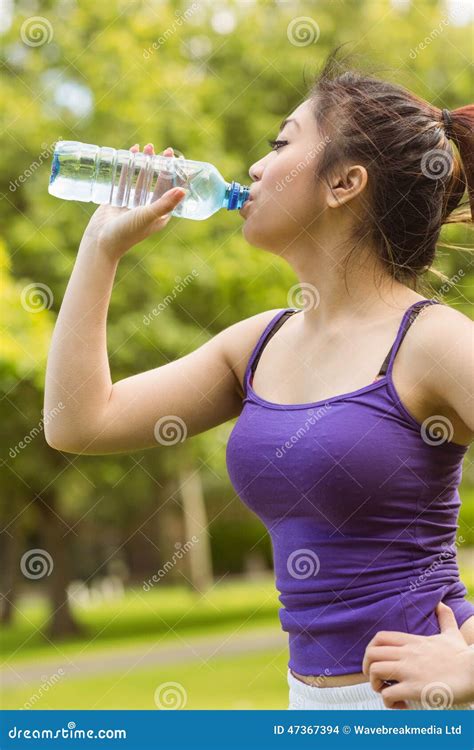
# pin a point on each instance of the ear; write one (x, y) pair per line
(346, 184)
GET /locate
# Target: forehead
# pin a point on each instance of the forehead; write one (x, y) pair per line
(303, 114)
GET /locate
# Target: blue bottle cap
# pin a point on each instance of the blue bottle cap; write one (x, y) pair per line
(236, 195)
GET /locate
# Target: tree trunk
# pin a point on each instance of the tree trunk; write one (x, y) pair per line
(11, 546)
(197, 553)
(61, 623)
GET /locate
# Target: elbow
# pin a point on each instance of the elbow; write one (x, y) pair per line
(63, 443)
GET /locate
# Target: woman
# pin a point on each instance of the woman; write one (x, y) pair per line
(355, 478)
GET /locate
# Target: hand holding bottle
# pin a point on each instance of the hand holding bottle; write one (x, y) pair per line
(116, 230)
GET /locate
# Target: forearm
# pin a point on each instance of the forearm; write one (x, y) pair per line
(78, 373)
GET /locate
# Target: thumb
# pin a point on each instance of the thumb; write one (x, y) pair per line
(163, 206)
(446, 618)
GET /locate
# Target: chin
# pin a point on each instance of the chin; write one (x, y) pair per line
(271, 240)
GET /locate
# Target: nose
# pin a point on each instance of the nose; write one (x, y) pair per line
(256, 170)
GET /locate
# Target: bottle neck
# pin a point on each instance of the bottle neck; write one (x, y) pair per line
(235, 195)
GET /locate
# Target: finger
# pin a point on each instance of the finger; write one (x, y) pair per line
(144, 177)
(381, 671)
(123, 165)
(395, 696)
(392, 638)
(446, 618)
(165, 179)
(380, 653)
(160, 208)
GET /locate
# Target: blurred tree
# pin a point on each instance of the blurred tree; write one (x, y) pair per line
(214, 82)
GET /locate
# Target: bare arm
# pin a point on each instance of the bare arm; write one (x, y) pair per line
(160, 406)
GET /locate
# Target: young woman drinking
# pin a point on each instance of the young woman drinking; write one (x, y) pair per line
(355, 411)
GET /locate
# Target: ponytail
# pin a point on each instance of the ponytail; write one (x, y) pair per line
(459, 127)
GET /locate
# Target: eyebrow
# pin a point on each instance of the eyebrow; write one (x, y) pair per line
(289, 119)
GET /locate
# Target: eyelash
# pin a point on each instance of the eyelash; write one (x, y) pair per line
(274, 145)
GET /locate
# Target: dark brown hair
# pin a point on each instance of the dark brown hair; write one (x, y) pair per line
(417, 178)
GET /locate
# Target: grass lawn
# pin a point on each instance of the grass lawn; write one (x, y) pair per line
(144, 617)
(253, 681)
(256, 681)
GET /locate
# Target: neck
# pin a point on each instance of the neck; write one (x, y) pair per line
(330, 294)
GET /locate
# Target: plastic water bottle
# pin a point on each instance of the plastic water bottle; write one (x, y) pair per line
(84, 172)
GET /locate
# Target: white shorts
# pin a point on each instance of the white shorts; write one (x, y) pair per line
(361, 697)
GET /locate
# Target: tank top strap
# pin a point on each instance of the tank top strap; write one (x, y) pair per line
(408, 318)
(268, 332)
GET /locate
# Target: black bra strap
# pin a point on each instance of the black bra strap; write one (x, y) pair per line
(410, 320)
(267, 338)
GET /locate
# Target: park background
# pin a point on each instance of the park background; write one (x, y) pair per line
(213, 80)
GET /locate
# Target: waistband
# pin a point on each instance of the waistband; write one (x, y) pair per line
(356, 693)
(363, 691)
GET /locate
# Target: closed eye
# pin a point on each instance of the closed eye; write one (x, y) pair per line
(276, 144)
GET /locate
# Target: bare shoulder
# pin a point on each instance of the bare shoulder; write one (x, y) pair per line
(239, 340)
(439, 357)
(439, 330)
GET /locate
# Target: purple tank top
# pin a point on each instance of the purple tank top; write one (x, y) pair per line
(361, 503)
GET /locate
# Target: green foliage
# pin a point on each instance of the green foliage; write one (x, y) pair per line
(216, 97)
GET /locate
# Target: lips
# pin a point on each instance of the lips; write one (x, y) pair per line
(246, 205)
